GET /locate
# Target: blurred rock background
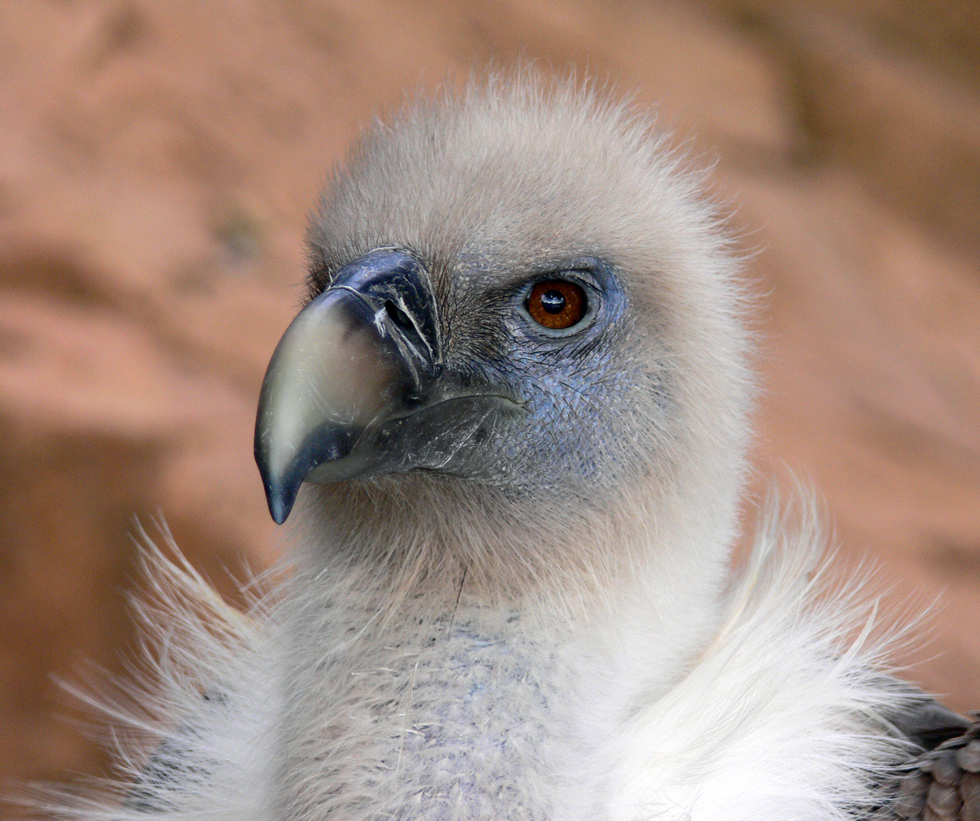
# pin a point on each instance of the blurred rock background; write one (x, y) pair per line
(157, 161)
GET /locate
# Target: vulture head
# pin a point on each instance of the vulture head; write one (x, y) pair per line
(521, 357)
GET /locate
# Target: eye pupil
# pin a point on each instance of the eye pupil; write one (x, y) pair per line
(557, 304)
(553, 301)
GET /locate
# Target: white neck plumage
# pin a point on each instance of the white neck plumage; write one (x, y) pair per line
(705, 695)
(414, 663)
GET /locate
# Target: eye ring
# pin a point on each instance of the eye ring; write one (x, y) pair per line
(557, 304)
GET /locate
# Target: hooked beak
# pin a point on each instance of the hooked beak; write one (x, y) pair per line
(357, 386)
(352, 356)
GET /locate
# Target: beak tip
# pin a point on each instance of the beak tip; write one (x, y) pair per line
(279, 512)
(279, 494)
(280, 503)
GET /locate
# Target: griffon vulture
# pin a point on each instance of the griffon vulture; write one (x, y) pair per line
(510, 424)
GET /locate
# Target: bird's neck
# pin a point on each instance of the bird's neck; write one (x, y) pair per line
(432, 554)
(399, 701)
(418, 666)
(632, 603)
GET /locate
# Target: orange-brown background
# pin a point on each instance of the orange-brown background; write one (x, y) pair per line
(157, 161)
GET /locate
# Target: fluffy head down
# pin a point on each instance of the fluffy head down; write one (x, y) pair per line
(637, 423)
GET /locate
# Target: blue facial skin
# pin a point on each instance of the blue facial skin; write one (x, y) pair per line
(573, 384)
(504, 401)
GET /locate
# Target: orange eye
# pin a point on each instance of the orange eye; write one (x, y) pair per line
(557, 304)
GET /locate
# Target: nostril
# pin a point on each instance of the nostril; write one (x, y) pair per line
(398, 316)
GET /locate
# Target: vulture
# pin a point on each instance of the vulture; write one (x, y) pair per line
(509, 430)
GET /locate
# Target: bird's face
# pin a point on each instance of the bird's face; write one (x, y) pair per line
(517, 299)
(519, 379)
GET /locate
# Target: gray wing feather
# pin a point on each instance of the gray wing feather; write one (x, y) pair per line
(942, 781)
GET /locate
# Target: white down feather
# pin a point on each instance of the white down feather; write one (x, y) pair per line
(781, 716)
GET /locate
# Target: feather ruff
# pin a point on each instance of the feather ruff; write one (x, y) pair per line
(784, 715)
